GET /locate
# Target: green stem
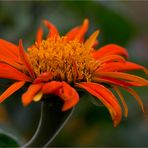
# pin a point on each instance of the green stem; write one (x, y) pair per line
(52, 120)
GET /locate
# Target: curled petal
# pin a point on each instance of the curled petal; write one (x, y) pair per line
(32, 91)
(69, 95)
(51, 87)
(136, 96)
(7, 71)
(70, 103)
(123, 85)
(122, 100)
(106, 97)
(13, 88)
(53, 30)
(25, 61)
(64, 91)
(110, 49)
(39, 35)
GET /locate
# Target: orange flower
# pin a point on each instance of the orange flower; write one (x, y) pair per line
(59, 65)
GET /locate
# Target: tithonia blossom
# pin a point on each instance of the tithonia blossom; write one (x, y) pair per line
(61, 65)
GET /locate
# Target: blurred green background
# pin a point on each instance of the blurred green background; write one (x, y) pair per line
(120, 22)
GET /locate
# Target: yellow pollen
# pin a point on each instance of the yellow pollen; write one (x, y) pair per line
(68, 61)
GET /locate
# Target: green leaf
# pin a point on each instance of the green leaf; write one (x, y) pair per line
(7, 141)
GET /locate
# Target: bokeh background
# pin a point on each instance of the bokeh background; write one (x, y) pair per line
(121, 22)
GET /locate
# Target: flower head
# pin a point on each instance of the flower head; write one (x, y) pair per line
(59, 65)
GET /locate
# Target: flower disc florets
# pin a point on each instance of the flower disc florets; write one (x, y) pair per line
(66, 60)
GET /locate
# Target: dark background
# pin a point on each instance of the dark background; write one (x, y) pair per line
(120, 22)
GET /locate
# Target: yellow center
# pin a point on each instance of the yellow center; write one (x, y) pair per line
(67, 60)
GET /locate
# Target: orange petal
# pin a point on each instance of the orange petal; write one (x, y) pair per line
(39, 35)
(13, 88)
(28, 96)
(8, 51)
(51, 87)
(53, 30)
(9, 47)
(125, 76)
(111, 58)
(9, 72)
(69, 95)
(122, 100)
(110, 49)
(106, 97)
(91, 40)
(11, 62)
(132, 66)
(113, 66)
(118, 66)
(24, 59)
(70, 103)
(44, 77)
(83, 29)
(114, 81)
(72, 33)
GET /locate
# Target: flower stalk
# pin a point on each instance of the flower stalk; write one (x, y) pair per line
(52, 120)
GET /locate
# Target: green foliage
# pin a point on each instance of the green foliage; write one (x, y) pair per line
(114, 27)
(7, 141)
